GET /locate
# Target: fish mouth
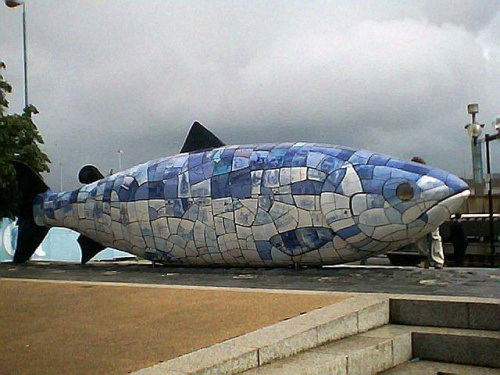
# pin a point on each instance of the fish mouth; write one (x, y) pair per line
(443, 210)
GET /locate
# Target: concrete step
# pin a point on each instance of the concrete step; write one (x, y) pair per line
(367, 353)
(433, 368)
(386, 347)
(287, 338)
(470, 313)
(461, 346)
(344, 339)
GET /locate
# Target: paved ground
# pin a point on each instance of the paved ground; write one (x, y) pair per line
(475, 282)
(97, 328)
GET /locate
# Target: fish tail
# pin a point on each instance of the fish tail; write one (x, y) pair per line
(30, 235)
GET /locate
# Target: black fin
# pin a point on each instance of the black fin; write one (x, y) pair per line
(30, 235)
(89, 247)
(89, 174)
(200, 138)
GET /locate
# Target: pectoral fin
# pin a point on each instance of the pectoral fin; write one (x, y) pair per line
(89, 248)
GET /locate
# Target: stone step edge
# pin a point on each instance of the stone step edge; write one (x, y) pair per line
(474, 313)
(370, 352)
(383, 348)
(342, 319)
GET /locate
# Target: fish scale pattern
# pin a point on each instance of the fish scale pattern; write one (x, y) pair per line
(268, 204)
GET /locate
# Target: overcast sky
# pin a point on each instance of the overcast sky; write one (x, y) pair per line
(387, 76)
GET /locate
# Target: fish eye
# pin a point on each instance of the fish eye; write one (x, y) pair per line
(404, 191)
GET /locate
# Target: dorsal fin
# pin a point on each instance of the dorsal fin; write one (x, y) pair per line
(200, 138)
(89, 174)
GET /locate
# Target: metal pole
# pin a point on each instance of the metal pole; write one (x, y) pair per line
(487, 140)
(120, 160)
(60, 177)
(25, 59)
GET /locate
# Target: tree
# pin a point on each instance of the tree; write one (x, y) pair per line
(19, 140)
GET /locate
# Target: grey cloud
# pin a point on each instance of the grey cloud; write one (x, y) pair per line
(391, 77)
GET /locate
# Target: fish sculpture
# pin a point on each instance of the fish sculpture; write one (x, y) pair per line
(271, 205)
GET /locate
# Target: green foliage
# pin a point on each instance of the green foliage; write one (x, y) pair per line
(19, 140)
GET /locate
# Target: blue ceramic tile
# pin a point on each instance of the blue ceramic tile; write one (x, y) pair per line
(455, 183)
(220, 186)
(258, 160)
(240, 162)
(364, 171)
(223, 166)
(439, 174)
(195, 160)
(288, 159)
(196, 175)
(265, 202)
(349, 232)
(264, 249)
(416, 168)
(395, 163)
(378, 159)
(360, 157)
(156, 190)
(307, 187)
(265, 147)
(142, 192)
(330, 163)
(184, 186)
(382, 173)
(208, 169)
(334, 180)
(345, 154)
(276, 158)
(153, 214)
(171, 188)
(300, 158)
(270, 178)
(240, 184)
(314, 159)
(171, 173)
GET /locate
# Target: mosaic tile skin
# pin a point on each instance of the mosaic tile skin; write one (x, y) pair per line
(259, 205)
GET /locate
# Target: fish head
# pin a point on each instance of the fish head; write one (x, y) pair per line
(391, 204)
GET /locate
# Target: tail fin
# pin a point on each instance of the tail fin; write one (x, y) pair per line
(30, 235)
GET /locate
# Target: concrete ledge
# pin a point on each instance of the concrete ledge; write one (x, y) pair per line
(445, 313)
(284, 339)
(476, 349)
(401, 341)
(221, 358)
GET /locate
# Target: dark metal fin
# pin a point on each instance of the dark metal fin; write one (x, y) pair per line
(89, 174)
(89, 248)
(30, 235)
(200, 138)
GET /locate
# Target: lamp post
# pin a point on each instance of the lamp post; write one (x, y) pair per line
(13, 4)
(120, 152)
(475, 131)
(61, 176)
(487, 139)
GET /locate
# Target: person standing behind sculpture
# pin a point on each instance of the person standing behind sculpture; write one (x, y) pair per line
(459, 240)
(436, 253)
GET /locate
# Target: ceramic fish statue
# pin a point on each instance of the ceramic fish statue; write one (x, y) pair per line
(272, 204)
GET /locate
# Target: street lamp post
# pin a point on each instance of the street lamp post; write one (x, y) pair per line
(13, 4)
(487, 139)
(120, 152)
(475, 131)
